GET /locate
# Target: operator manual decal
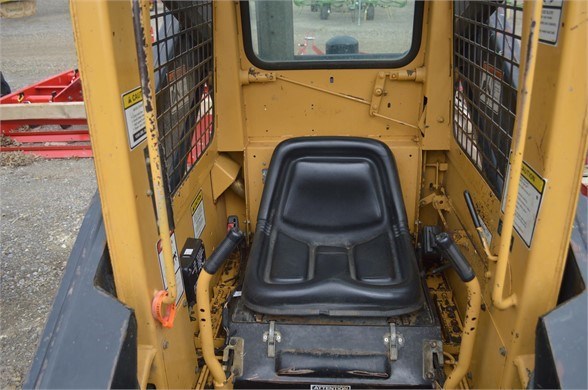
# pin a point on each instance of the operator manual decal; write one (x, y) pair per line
(134, 117)
(531, 190)
(550, 21)
(198, 220)
(177, 269)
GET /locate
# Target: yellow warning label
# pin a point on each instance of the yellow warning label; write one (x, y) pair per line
(198, 217)
(536, 181)
(132, 97)
(196, 202)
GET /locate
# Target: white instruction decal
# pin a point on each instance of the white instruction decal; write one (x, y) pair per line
(531, 189)
(198, 219)
(550, 21)
(178, 272)
(134, 117)
(490, 84)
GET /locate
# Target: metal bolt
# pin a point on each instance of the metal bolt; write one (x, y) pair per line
(430, 375)
(386, 340)
(265, 337)
(433, 344)
(378, 92)
(278, 338)
(400, 340)
(440, 119)
(165, 344)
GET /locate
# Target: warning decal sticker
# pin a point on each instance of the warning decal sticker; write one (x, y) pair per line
(531, 190)
(134, 117)
(198, 219)
(550, 21)
(490, 84)
(177, 270)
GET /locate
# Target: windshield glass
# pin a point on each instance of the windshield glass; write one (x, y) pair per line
(330, 30)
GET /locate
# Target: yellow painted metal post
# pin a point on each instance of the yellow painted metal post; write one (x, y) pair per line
(146, 72)
(206, 336)
(519, 138)
(468, 337)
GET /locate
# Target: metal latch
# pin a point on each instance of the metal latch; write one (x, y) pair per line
(271, 337)
(432, 358)
(233, 357)
(393, 340)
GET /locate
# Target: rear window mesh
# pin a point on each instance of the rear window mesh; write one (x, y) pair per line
(181, 33)
(487, 38)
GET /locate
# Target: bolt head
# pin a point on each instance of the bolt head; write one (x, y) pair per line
(386, 339)
(433, 344)
(430, 375)
(278, 338)
(265, 337)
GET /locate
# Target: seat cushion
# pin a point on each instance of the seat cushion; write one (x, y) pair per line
(332, 235)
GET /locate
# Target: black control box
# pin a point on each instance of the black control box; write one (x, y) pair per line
(192, 259)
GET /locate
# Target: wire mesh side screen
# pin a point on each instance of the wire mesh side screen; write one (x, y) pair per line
(183, 64)
(487, 39)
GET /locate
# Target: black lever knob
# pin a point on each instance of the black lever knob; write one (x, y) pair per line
(452, 252)
(224, 250)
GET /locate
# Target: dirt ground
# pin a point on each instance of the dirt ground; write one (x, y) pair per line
(42, 204)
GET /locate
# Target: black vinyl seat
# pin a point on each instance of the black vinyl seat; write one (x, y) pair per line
(332, 235)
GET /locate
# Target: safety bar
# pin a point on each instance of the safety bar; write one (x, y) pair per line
(143, 47)
(447, 246)
(519, 139)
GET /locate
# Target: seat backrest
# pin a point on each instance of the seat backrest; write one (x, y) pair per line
(332, 234)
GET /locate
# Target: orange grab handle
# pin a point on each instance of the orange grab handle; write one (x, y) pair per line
(167, 319)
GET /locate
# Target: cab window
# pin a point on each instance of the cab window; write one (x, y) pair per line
(331, 33)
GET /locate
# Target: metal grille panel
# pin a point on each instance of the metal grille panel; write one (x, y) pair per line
(487, 37)
(183, 63)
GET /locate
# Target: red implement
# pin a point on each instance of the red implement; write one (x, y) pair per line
(56, 101)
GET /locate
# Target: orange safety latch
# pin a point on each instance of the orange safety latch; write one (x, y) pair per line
(167, 320)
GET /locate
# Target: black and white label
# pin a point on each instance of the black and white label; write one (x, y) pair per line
(550, 21)
(198, 218)
(491, 87)
(178, 272)
(531, 189)
(134, 116)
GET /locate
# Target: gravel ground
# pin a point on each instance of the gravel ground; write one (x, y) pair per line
(42, 204)
(39, 46)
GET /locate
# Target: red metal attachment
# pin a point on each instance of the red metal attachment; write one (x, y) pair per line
(56, 101)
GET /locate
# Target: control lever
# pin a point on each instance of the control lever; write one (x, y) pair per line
(224, 250)
(447, 246)
(478, 225)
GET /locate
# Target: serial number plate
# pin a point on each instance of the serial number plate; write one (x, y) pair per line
(330, 387)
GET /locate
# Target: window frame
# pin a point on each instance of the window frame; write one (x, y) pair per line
(375, 62)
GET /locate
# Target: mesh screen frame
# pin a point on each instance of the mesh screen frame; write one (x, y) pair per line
(487, 39)
(183, 58)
